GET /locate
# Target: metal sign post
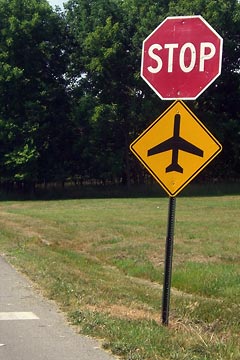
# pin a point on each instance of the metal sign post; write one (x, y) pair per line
(177, 146)
(168, 261)
(174, 149)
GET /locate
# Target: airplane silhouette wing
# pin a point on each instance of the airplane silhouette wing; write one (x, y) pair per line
(163, 146)
(175, 144)
(186, 146)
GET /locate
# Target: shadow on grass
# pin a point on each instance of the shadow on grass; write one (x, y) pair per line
(57, 192)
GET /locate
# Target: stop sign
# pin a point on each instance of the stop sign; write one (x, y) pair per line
(181, 57)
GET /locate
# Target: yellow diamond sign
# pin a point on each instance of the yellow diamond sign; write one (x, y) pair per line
(175, 147)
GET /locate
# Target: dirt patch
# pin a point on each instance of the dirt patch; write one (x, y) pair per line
(124, 312)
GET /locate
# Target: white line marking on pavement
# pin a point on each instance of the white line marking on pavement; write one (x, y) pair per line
(18, 316)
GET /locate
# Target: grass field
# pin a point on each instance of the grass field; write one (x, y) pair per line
(102, 260)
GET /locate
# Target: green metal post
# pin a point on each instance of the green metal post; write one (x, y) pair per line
(168, 261)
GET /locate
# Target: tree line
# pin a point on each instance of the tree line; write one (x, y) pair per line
(71, 95)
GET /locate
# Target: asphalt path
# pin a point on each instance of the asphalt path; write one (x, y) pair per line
(32, 328)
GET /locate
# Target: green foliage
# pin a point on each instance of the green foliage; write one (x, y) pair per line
(72, 98)
(106, 61)
(33, 101)
(218, 106)
(107, 64)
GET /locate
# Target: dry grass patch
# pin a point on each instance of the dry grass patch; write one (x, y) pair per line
(103, 260)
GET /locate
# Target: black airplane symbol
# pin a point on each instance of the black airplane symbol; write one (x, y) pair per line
(175, 144)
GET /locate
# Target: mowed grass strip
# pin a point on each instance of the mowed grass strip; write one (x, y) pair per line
(102, 260)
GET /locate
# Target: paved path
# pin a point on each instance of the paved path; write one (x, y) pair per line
(32, 328)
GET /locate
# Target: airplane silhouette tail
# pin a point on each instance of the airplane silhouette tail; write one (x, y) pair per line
(174, 167)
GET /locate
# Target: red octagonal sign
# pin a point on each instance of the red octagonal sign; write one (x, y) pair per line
(181, 57)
